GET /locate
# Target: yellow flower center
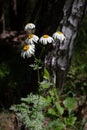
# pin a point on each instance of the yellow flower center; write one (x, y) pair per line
(26, 47)
(45, 36)
(30, 36)
(59, 32)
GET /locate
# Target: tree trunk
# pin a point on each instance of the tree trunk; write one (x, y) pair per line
(67, 16)
(74, 12)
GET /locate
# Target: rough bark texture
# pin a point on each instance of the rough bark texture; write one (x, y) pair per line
(60, 56)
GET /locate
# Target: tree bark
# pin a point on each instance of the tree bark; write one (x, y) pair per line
(58, 60)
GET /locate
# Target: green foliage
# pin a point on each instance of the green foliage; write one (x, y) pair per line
(70, 121)
(35, 108)
(36, 65)
(54, 100)
(46, 74)
(70, 103)
(56, 125)
(30, 111)
(56, 106)
(45, 84)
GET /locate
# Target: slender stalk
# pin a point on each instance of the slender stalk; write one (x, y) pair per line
(38, 74)
(37, 63)
(41, 52)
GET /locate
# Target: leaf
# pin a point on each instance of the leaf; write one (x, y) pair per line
(56, 125)
(48, 99)
(35, 66)
(46, 74)
(52, 111)
(70, 120)
(59, 108)
(70, 103)
(60, 126)
(44, 84)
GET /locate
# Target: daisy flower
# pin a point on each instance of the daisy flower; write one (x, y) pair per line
(59, 35)
(28, 50)
(30, 28)
(46, 39)
(32, 39)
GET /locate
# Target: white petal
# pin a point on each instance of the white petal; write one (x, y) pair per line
(36, 37)
(50, 39)
(42, 40)
(31, 41)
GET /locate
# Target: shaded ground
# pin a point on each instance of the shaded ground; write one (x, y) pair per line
(6, 121)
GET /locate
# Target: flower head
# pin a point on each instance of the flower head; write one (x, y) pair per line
(32, 39)
(30, 28)
(46, 39)
(28, 50)
(59, 35)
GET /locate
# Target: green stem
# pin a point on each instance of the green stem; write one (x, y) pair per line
(75, 127)
(41, 52)
(38, 74)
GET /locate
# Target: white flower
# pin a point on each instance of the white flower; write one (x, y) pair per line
(46, 39)
(30, 28)
(28, 50)
(59, 35)
(32, 39)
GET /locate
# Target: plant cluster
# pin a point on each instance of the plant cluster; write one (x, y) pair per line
(35, 108)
